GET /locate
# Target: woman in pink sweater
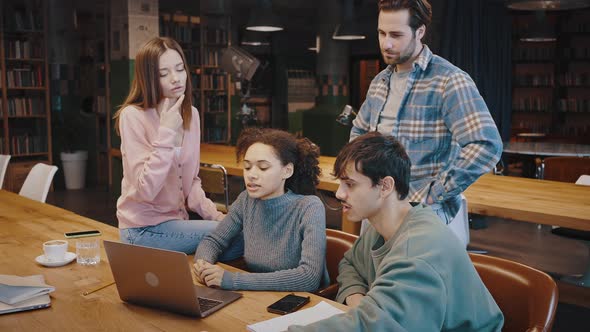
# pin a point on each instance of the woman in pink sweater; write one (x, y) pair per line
(160, 146)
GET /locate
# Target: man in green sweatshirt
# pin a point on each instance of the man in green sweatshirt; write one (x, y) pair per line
(406, 272)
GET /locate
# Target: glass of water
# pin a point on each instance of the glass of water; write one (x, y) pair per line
(88, 251)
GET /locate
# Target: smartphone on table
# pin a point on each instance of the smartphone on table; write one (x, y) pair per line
(289, 303)
(71, 235)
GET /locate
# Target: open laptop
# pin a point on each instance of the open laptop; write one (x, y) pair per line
(162, 279)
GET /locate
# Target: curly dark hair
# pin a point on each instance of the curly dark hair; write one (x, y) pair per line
(301, 152)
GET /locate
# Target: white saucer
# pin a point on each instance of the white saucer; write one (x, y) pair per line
(68, 258)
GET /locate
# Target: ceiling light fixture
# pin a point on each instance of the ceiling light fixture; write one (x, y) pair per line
(540, 30)
(350, 28)
(263, 19)
(254, 38)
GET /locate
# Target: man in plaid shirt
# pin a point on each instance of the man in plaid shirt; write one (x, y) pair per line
(432, 107)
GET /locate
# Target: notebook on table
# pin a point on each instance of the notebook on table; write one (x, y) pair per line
(23, 293)
(162, 279)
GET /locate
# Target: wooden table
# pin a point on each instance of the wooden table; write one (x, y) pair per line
(24, 226)
(530, 200)
(546, 149)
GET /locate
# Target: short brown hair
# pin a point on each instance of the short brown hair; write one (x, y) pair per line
(376, 156)
(420, 10)
(146, 91)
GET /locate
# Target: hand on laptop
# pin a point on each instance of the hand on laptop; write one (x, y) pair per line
(208, 274)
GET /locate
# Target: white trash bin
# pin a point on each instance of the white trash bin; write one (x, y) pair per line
(74, 166)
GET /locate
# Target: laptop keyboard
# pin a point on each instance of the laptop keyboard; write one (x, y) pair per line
(207, 304)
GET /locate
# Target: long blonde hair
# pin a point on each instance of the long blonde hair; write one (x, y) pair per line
(145, 89)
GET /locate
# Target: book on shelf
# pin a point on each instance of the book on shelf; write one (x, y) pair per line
(19, 19)
(25, 76)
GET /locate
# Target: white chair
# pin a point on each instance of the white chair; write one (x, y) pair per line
(460, 224)
(4, 159)
(38, 181)
(583, 180)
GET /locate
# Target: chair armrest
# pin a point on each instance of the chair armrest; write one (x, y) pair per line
(328, 292)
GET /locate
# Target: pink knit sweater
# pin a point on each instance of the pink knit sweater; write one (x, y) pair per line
(157, 184)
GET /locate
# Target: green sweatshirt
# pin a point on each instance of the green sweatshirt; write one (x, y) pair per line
(419, 280)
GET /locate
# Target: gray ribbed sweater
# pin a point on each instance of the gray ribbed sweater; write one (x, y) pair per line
(284, 243)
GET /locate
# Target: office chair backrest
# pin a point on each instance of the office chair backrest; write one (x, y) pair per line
(565, 169)
(4, 159)
(337, 243)
(526, 296)
(38, 182)
(214, 182)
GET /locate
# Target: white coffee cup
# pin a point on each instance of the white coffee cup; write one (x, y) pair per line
(55, 250)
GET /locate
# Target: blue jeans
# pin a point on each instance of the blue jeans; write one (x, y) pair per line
(180, 235)
(440, 212)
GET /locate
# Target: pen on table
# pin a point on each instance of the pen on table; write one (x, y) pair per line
(97, 289)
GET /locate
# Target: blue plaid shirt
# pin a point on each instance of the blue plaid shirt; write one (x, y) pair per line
(443, 123)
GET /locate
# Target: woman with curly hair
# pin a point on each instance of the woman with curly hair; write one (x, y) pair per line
(282, 222)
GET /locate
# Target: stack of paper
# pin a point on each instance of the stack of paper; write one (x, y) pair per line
(23, 293)
(304, 317)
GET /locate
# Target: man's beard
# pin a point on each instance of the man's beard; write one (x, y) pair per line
(405, 55)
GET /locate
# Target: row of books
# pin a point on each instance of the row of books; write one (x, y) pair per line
(28, 76)
(24, 106)
(579, 52)
(215, 134)
(575, 79)
(534, 79)
(215, 36)
(196, 81)
(533, 104)
(183, 33)
(193, 56)
(215, 81)
(24, 49)
(576, 26)
(533, 54)
(20, 19)
(573, 105)
(539, 104)
(216, 104)
(26, 144)
(212, 58)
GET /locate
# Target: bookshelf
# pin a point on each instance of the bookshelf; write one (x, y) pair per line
(203, 39)
(25, 131)
(92, 37)
(185, 29)
(551, 79)
(215, 83)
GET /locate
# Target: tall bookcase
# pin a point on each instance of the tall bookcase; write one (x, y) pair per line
(203, 39)
(25, 131)
(551, 79)
(92, 32)
(215, 83)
